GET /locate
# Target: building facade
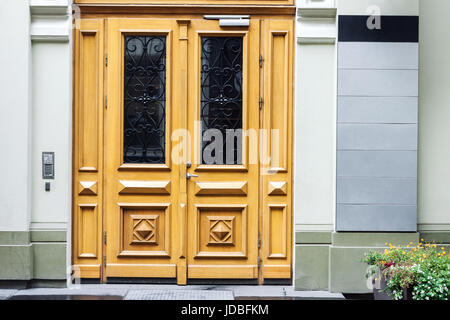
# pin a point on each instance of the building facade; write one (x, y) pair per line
(257, 141)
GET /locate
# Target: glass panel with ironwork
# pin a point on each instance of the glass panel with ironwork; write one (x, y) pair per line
(221, 100)
(144, 102)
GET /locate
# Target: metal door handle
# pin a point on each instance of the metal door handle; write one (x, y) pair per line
(190, 175)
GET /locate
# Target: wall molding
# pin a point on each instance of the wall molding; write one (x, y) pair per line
(316, 22)
(50, 20)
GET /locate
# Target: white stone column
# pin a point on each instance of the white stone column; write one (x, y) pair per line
(315, 118)
(51, 90)
(315, 138)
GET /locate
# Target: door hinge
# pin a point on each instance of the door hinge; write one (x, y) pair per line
(106, 59)
(259, 262)
(106, 101)
(104, 236)
(104, 260)
(261, 103)
(261, 61)
(259, 243)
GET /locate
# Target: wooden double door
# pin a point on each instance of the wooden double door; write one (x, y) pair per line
(182, 149)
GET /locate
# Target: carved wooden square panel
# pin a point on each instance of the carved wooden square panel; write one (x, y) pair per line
(144, 230)
(220, 231)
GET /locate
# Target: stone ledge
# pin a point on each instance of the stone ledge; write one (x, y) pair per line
(48, 235)
(372, 239)
(435, 236)
(313, 237)
(14, 237)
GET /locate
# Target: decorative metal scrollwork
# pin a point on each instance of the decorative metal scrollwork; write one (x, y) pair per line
(144, 99)
(221, 93)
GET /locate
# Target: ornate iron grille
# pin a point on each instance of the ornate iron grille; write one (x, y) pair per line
(221, 96)
(144, 99)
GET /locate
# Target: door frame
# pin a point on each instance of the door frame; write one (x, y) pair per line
(96, 25)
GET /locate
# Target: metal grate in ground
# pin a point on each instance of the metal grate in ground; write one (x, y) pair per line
(179, 295)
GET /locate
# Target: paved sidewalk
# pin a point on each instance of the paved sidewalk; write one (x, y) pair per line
(172, 292)
(5, 294)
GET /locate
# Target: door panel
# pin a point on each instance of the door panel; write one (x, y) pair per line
(141, 203)
(223, 199)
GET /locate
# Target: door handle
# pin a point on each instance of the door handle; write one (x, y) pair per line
(190, 175)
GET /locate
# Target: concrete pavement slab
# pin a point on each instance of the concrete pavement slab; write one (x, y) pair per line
(179, 295)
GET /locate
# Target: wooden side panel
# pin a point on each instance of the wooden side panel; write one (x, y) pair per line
(89, 101)
(278, 91)
(277, 230)
(87, 231)
(87, 153)
(277, 173)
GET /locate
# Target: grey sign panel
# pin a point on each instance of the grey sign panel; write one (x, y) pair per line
(377, 218)
(377, 137)
(378, 55)
(378, 110)
(394, 164)
(368, 190)
(387, 83)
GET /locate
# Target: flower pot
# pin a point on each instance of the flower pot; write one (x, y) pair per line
(379, 294)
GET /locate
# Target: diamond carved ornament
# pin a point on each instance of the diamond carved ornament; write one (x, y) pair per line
(145, 230)
(221, 230)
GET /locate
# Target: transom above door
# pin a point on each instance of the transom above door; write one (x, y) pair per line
(188, 184)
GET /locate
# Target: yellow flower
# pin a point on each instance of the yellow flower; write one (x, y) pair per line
(444, 252)
(442, 248)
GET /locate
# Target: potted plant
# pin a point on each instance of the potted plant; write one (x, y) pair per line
(420, 272)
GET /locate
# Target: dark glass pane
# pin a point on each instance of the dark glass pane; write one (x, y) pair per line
(144, 99)
(221, 97)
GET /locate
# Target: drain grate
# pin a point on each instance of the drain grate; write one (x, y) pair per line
(179, 295)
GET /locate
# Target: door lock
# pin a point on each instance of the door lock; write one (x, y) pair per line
(190, 175)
